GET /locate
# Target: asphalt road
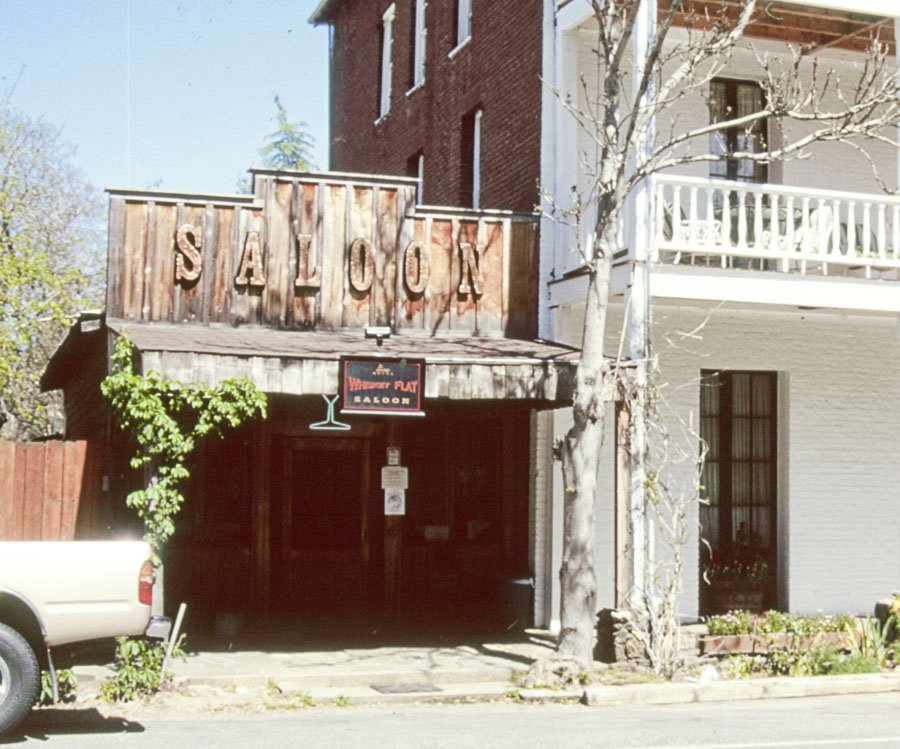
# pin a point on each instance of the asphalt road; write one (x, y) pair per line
(866, 721)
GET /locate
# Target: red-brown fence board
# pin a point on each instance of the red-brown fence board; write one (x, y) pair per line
(43, 485)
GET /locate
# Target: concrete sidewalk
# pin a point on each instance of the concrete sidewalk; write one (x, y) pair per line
(472, 670)
(475, 668)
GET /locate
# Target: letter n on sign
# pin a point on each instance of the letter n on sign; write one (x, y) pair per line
(392, 387)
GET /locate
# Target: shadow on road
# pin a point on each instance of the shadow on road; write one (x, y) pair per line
(42, 724)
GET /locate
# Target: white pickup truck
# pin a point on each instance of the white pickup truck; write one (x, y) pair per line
(58, 592)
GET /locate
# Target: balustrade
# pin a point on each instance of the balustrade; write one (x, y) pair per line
(769, 227)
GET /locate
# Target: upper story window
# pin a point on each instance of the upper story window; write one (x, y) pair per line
(463, 21)
(387, 42)
(731, 99)
(417, 45)
(470, 160)
(415, 167)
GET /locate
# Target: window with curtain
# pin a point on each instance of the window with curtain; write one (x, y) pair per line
(729, 100)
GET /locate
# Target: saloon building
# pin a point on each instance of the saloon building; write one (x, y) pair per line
(394, 472)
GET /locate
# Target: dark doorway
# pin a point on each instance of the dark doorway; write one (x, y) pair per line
(738, 423)
(319, 530)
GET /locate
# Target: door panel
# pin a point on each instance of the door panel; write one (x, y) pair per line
(319, 531)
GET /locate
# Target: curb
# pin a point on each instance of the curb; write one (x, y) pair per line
(749, 689)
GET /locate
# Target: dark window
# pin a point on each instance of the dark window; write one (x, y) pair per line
(469, 158)
(738, 425)
(730, 99)
(415, 167)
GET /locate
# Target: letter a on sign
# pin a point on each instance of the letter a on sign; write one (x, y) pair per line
(251, 263)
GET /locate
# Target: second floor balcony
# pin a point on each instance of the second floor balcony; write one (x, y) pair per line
(761, 244)
(765, 227)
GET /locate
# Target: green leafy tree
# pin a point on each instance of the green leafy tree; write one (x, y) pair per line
(51, 225)
(166, 418)
(290, 146)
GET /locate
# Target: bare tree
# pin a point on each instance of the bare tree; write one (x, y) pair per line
(647, 69)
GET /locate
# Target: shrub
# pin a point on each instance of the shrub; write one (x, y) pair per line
(138, 669)
(66, 683)
(856, 664)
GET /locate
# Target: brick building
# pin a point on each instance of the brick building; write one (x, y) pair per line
(431, 88)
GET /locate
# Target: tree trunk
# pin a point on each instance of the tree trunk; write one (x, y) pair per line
(580, 456)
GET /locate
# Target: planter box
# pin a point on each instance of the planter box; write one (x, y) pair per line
(759, 644)
(724, 597)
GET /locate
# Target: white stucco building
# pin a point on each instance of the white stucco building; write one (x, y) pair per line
(787, 276)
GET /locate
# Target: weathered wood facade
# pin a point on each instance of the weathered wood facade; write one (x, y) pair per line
(284, 520)
(321, 252)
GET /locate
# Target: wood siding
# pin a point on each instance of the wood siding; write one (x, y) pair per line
(48, 490)
(315, 252)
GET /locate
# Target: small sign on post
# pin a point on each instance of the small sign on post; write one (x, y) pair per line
(394, 502)
(395, 482)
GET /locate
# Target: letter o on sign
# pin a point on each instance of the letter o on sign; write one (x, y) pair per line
(362, 265)
(416, 267)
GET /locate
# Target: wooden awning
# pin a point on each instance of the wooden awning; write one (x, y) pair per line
(307, 363)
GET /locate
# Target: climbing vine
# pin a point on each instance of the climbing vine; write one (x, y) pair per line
(166, 418)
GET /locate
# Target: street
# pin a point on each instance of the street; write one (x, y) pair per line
(849, 721)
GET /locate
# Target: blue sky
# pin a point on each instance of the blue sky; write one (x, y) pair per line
(169, 93)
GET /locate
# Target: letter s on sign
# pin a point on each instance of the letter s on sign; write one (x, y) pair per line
(191, 270)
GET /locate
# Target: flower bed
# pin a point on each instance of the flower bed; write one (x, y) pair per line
(772, 622)
(747, 632)
(763, 644)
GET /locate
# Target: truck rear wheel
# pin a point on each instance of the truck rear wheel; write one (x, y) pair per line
(20, 677)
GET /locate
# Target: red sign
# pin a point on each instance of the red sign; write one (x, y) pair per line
(382, 386)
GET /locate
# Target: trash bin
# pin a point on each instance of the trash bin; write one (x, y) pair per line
(517, 598)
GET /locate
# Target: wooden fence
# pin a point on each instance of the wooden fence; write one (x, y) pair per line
(47, 489)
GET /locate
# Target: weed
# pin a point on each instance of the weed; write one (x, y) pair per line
(138, 669)
(66, 682)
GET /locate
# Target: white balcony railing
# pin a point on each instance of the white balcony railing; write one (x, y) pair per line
(769, 227)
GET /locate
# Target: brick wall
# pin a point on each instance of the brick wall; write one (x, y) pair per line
(497, 70)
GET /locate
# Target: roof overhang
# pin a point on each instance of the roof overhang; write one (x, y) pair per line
(307, 363)
(324, 12)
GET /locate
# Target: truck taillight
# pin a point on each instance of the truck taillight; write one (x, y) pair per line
(145, 584)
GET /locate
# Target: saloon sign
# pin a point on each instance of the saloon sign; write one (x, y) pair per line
(416, 263)
(385, 386)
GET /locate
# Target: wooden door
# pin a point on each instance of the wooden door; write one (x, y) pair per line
(320, 539)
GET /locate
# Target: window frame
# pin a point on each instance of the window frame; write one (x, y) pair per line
(418, 44)
(463, 24)
(387, 63)
(470, 158)
(724, 501)
(730, 110)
